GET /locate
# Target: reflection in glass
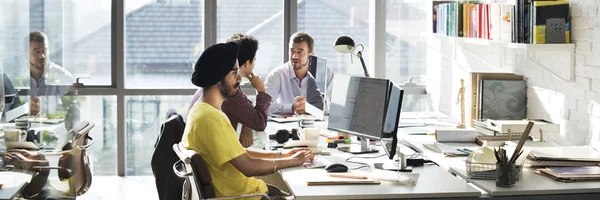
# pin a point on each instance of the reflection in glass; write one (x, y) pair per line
(144, 116)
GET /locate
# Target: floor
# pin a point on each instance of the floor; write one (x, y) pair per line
(116, 188)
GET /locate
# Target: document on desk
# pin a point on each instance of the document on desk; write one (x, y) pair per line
(446, 150)
(290, 118)
(314, 111)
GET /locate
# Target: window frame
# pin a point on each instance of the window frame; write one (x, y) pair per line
(377, 33)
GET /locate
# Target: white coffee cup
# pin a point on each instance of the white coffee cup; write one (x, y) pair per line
(310, 134)
(14, 135)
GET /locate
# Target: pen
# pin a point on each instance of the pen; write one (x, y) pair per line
(464, 150)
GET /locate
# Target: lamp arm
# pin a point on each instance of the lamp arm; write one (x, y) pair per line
(359, 55)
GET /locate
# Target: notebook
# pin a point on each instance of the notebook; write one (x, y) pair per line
(573, 153)
(570, 174)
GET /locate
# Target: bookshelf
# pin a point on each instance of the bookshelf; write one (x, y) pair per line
(491, 56)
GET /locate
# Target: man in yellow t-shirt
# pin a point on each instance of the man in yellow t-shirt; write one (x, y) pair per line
(209, 132)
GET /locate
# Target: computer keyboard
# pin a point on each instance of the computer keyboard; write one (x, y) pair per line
(318, 162)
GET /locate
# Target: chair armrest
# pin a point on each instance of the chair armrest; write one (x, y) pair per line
(179, 173)
(40, 168)
(242, 196)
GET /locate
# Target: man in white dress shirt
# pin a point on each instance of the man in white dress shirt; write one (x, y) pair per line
(49, 81)
(290, 85)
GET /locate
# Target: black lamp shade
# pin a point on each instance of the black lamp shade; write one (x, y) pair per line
(344, 44)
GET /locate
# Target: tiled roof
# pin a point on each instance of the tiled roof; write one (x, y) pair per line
(165, 37)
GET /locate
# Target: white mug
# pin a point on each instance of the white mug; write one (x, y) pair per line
(14, 135)
(310, 134)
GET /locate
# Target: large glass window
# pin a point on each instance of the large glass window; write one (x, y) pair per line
(78, 37)
(406, 22)
(405, 25)
(163, 41)
(78, 44)
(327, 20)
(102, 111)
(143, 118)
(264, 21)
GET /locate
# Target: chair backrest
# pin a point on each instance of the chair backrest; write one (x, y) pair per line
(199, 178)
(202, 177)
(168, 185)
(80, 180)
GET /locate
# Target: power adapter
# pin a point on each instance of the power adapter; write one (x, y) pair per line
(417, 162)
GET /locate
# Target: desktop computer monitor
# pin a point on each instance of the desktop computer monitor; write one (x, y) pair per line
(358, 107)
(392, 118)
(13, 106)
(317, 66)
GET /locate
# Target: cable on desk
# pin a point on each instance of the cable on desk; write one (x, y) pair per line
(417, 162)
(364, 165)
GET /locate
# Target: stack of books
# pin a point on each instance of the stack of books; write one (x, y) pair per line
(572, 174)
(517, 21)
(574, 156)
(566, 164)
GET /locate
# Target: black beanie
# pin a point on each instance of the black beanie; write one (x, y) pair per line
(214, 64)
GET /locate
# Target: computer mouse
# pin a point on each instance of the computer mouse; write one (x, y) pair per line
(336, 168)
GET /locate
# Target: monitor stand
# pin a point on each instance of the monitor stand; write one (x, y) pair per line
(363, 148)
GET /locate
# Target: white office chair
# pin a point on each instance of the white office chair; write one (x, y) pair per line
(197, 183)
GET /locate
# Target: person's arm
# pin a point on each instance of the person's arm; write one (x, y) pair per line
(240, 108)
(196, 97)
(273, 87)
(250, 166)
(274, 154)
(246, 136)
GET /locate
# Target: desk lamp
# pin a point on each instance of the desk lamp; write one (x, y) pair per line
(345, 44)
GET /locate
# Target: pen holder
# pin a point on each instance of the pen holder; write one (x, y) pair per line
(506, 174)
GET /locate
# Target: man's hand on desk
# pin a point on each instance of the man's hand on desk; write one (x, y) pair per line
(301, 156)
(246, 137)
(296, 150)
(22, 162)
(32, 155)
(34, 104)
(299, 103)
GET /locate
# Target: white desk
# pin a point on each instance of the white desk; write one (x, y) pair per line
(434, 182)
(13, 184)
(530, 186)
(533, 184)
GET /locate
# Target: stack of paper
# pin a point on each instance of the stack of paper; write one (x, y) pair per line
(570, 174)
(563, 157)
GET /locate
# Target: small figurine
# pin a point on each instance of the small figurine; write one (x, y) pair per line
(461, 99)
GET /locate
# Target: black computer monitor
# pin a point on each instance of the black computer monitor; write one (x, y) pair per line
(392, 118)
(13, 106)
(317, 66)
(358, 107)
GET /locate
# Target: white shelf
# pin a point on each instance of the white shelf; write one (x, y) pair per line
(490, 56)
(486, 42)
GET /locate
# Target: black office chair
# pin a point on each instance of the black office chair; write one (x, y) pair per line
(194, 169)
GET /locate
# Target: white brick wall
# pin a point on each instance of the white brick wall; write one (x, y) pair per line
(574, 104)
(585, 34)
